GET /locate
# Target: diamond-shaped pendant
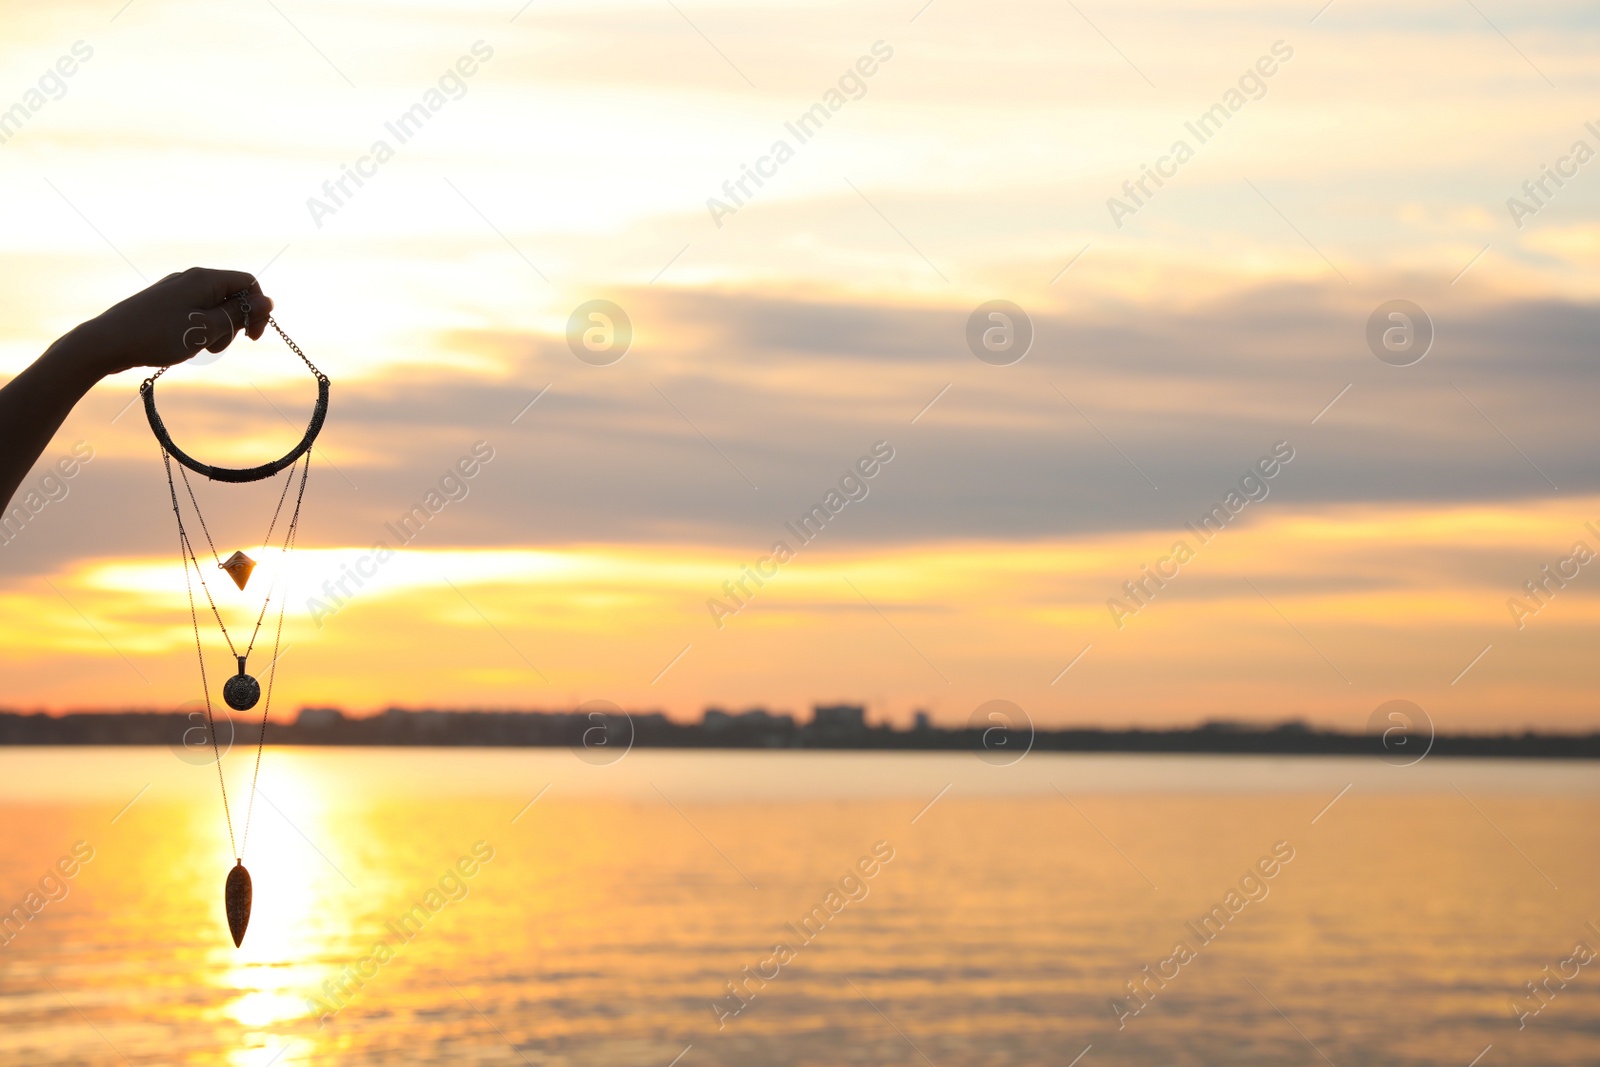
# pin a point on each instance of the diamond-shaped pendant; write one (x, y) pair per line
(239, 567)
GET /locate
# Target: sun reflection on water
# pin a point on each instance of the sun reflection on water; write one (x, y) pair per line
(293, 854)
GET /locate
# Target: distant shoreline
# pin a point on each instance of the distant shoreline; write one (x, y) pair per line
(605, 732)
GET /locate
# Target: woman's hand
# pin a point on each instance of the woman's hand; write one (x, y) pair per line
(173, 320)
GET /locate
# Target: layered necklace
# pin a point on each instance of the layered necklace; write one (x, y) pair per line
(241, 691)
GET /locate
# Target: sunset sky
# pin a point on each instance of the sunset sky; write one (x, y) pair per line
(1176, 343)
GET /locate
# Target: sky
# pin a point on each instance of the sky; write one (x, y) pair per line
(1182, 334)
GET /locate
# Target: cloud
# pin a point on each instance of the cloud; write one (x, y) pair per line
(786, 393)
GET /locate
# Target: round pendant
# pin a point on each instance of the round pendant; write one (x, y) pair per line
(241, 692)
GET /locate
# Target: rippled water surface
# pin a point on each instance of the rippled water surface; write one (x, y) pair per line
(1399, 925)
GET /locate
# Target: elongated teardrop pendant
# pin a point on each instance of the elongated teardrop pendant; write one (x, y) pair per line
(236, 897)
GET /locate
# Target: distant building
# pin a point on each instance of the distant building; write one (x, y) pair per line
(760, 726)
(1226, 726)
(319, 718)
(839, 720)
(920, 722)
(753, 726)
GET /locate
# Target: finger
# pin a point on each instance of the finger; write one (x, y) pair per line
(248, 311)
(254, 308)
(260, 310)
(210, 287)
(211, 329)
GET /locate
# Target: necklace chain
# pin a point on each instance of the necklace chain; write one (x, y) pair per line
(186, 549)
(266, 543)
(270, 322)
(296, 349)
(272, 668)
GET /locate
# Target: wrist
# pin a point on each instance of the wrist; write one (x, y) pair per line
(82, 355)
